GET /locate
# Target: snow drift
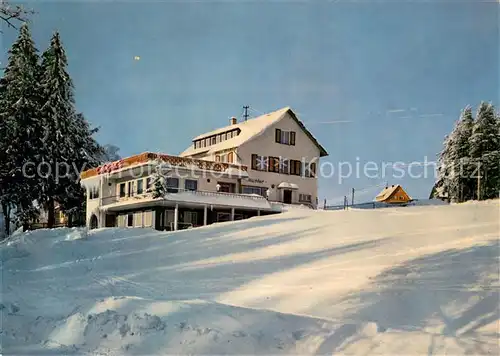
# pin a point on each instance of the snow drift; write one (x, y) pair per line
(414, 280)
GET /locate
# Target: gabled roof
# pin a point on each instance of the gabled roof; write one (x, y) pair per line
(387, 192)
(248, 130)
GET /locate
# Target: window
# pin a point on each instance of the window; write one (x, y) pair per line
(122, 190)
(207, 142)
(230, 157)
(139, 186)
(130, 189)
(94, 193)
(259, 163)
(284, 165)
(285, 137)
(274, 164)
(148, 184)
(217, 158)
(191, 184)
(130, 220)
(227, 187)
(295, 167)
(253, 190)
(305, 198)
(191, 217)
(310, 169)
(214, 140)
(172, 185)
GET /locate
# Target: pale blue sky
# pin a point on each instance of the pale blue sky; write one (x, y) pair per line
(400, 73)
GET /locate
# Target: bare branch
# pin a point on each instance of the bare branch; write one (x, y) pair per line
(12, 14)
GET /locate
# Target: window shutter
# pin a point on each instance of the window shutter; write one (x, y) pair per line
(230, 157)
(254, 161)
(278, 136)
(292, 138)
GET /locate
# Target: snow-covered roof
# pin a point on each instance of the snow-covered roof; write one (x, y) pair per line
(286, 185)
(387, 192)
(169, 161)
(249, 129)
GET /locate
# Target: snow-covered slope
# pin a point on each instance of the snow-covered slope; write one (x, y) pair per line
(414, 280)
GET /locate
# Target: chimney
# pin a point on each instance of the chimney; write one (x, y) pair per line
(233, 121)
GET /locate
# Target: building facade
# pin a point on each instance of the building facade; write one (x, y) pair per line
(242, 170)
(282, 156)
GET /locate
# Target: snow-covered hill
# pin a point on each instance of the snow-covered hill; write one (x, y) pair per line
(414, 280)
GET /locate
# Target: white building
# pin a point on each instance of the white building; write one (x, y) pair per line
(241, 170)
(282, 155)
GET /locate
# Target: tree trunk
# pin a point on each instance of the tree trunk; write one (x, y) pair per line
(6, 219)
(51, 214)
(69, 220)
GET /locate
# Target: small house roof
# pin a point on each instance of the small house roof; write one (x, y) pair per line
(387, 192)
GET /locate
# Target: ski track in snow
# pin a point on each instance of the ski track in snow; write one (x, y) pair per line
(415, 280)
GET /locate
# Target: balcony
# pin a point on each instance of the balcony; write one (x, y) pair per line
(187, 197)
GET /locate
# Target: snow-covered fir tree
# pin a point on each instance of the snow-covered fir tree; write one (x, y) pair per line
(20, 129)
(485, 151)
(159, 179)
(61, 127)
(72, 196)
(445, 166)
(463, 184)
(111, 153)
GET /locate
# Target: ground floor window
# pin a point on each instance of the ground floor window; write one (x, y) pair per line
(305, 198)
(191, 217)
(130, 220)
(222, 216)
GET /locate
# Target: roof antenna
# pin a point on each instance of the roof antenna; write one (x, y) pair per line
(245, 115)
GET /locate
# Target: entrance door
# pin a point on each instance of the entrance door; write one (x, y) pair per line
(110, 220)
(93, 222)
(287, 196)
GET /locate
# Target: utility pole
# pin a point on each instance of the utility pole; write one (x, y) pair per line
(245, 115)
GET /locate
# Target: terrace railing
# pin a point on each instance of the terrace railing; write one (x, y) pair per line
(172, 192)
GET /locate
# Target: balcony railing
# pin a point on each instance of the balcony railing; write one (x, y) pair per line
(172, 192)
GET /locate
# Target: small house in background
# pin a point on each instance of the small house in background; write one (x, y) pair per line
(394, 194)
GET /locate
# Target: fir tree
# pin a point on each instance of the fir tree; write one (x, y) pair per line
(485, 151)
(110, 153)
(58, 113)
(21, 127)
(159, 180)
(72, 196)
(445, 167)
(462, 165)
